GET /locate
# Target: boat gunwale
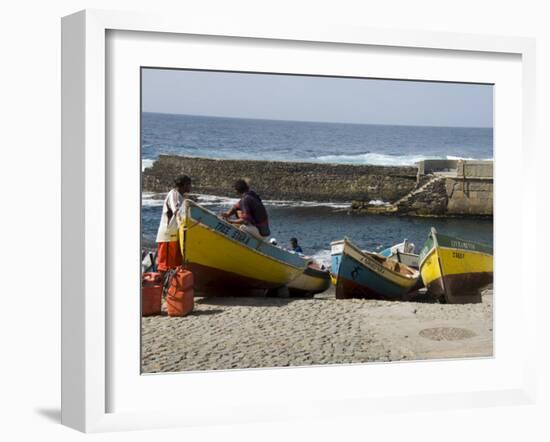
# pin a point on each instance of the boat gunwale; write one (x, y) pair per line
(404, 254)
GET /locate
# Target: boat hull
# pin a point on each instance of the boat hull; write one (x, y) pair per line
(361, 275)
(451, 287)
(311, 281)
(336, 249)
(455, 270)
(228, 261)
(214, 281)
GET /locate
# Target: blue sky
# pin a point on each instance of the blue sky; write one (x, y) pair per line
(326, 99)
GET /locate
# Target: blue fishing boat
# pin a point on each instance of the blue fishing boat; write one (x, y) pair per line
(362, 274)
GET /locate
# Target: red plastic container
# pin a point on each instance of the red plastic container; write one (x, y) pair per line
(151, 294)
(180, 298)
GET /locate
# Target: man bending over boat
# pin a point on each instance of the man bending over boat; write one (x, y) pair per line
(250, 212)
(169, 254)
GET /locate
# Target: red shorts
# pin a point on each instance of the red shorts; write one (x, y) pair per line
(169, 255)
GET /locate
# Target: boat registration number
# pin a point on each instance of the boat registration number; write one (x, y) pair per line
(237, 235)
(458, 255)
(373, 265)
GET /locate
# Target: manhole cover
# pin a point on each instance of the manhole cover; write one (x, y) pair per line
(446, 333)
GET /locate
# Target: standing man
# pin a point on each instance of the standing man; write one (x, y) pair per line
(169, 253)
(250, 211)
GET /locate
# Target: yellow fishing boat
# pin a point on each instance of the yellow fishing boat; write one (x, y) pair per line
(226, 260)
(455, 269)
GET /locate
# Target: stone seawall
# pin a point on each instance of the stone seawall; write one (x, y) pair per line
(280, 180)
(434, 188)
(469, 196)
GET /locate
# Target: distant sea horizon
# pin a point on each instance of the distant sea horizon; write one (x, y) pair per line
(300, 141)
(315, 121)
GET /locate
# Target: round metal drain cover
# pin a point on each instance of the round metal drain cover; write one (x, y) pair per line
(446, 333)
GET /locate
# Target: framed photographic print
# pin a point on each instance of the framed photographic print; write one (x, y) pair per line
(252, 213)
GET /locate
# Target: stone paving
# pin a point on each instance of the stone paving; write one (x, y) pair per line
(240, 332)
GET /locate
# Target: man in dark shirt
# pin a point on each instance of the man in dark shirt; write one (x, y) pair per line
(250, 211)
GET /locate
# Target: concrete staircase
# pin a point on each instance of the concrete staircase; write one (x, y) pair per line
(418, 190)
(443, 188)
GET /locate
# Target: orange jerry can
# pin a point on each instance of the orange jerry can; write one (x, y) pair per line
(151, 294)
(180, 297)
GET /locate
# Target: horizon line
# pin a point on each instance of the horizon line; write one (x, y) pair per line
(313, 121)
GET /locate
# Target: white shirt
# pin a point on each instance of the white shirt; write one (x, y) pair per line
(168, 227)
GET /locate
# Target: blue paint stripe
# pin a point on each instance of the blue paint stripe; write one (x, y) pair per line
(335, 263)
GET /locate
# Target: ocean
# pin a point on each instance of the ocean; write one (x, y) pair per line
(316, 224)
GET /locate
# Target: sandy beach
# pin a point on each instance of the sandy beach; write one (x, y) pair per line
(248, 332)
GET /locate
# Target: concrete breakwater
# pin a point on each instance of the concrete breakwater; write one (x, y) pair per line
(431, 188)
(279, 180)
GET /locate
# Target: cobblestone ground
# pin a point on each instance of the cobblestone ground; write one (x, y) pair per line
(236, 333)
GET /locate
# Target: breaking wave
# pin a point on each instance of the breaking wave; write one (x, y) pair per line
(322, 257)
(146, 163)
(378, 159)
(152, 199)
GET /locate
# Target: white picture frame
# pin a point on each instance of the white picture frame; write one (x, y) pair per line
(87, 213)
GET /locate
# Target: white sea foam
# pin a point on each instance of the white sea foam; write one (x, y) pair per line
(377, 159)
(374, 159)
(452, 157)
(378, 203)
(146, 163)
(283, 203)
(214, 200)
(151, 199)
(322, 257)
